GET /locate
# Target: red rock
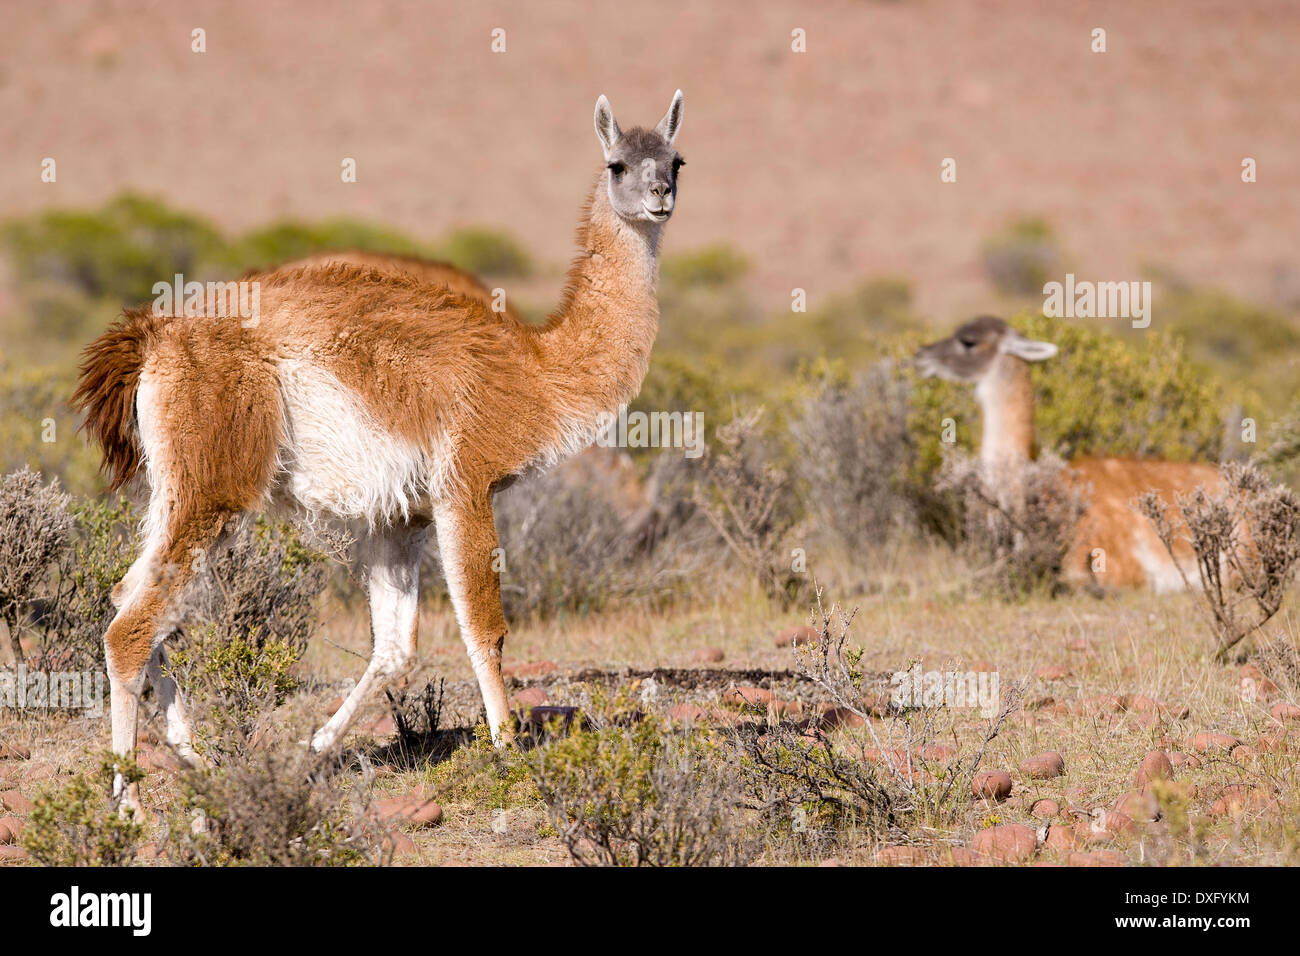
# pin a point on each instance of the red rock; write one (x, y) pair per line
(1283, 711)
(686, 713)
(157, 759)
(1044, 766)
(531, 669)
(747, 697)
(1274, 743)
(902, 856)
(1061, 838)
(830, 862)
(710, 655)
(1139, 806)
(991, 785)
(793, 636)
(1103, 827)
(960, 856)
(1179, 759)
(529, 697)
(402, 844)
(937, 753)
(1008, 843)
(1095, 858)
(1155, 766)
(15, 802)
(1254, 686)
(1238, 798)
(1044, 808)
(37, 772)
(1148, 705)
(1205, 742)
(14, 752)
(1055, 672)
(332, 707)
(838, 717)
(10, 829)
(1244, 754)
(385, 726)
(10, 854)
(412, 809)
(1103, 704)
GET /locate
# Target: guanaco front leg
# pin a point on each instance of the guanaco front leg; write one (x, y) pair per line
(467, 540)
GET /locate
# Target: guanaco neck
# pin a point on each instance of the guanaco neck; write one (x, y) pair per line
(1006, 401)
(595, 348)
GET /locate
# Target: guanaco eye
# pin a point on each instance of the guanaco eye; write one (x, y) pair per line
(967, 343)
(616, 168)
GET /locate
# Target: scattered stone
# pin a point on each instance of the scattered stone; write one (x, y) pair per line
(530, 697)
(1096, 858)
(1008, 843)
(10, 829)
(747, 697)
(1055, 672)
(1139, 806)
(332, 707)
(1275, 743)
(992, 785)
(14, 752)
(1283, 711)
(1244, 754)
(1156, 765)
(385, 726)
(413, 809)
(531, 669)
(838, 717)
(961, 856)
(1061, 838)
(1103, 704)
(709, 655)
(686, 713)
(902, 856)
(1044, 766)
(1044, 808)
(1180, 759)
(402, 844)
(793, 636)
(1254, 685)
(937, 753)
(15, 802)
(830, 861)
(1205, 742)
(1238, 798)
(1148, 705)
(12, 853)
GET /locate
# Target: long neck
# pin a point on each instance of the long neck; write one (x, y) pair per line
(1006, 401)
(595, 348)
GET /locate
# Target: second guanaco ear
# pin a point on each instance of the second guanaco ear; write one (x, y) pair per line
(607, 130)
(1028, 349)
(672, 122)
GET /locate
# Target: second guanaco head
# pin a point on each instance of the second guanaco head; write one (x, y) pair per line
(989, 354)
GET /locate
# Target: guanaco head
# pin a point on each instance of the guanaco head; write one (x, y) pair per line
(641, 165)
(975, 350)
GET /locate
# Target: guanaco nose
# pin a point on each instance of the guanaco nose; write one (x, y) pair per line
(660, 190)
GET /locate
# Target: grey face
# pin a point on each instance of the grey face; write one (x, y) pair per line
(641, 165)
(970, 352)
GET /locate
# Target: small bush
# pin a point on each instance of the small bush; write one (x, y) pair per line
(747, 498)
(1246, 539)
(277, 805)
(855, 451)
(632, 793)
(81, 825)
(1019, 535)
(285, 241)
(35, 526)
(711, 266)
(1020, 259)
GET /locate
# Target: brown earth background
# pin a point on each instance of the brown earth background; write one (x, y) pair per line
(823, 167)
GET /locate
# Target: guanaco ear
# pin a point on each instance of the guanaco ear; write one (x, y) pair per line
(1028, 349)
(607, 130)
(672, 121)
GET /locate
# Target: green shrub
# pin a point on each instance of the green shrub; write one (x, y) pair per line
(34, 408)
(117, 252)
(1020, 259)
(282, 242)
(81, 825)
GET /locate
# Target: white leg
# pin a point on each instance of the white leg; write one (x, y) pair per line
(392, 559)
(173, 708)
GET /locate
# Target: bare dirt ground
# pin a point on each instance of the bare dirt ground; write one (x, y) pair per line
(823, 166)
